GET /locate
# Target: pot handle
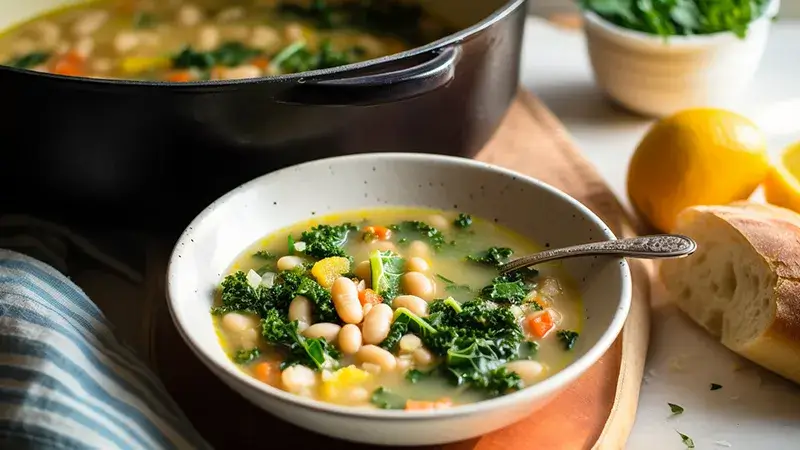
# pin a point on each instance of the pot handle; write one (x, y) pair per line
(378, 88)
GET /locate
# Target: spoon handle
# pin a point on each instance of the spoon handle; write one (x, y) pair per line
(646, 247)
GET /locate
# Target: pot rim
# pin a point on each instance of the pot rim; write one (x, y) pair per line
(500, 13)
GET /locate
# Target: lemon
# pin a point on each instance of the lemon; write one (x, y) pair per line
(782, 186)
(699, 156)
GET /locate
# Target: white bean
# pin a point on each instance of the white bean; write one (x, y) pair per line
(375, 355)
(235, 32)
(293, 32)
(422, 356)
(418, 248)
(349, 339)
(240, 72)
(264, 37)
(248, 338)
(439, 222)
(84, 47)
(404, 363)
(366, 308)
(417, 264)
(288, 262)
(413, 303)
(300, 310)
(236, 323)
(377, 323)
(409, 343)
(47, 32)
(326, 330)
(208, 38)
(416, 283)
(89, 23)
(298, 379)
(371, 368)
(529, 371)
(345, 300)
(363, 271)
(189, 15)
(358, 394)
(126, 41)
(231, 14)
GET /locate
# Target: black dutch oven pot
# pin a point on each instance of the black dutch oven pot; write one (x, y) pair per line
(114, 153)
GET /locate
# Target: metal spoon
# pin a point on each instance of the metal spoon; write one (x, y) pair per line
(647, 247)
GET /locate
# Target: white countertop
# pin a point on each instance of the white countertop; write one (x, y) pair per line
(754, 409)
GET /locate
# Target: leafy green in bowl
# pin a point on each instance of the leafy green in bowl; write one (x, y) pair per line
(668, 18)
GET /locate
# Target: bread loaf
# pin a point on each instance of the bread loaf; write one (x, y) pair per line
(743, 282)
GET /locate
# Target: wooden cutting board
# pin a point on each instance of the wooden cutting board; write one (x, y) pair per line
(597, 412)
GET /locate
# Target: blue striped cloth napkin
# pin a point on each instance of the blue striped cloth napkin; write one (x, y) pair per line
(66, 379)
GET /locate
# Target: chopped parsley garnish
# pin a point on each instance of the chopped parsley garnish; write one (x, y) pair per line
(417, 229)
(568, 338)
(676, 409)
(246, 356)
(494, 256)
(324, 241)
(385, 399)
(463, 221)
(687, 441)
(715, 386)
(29, 60)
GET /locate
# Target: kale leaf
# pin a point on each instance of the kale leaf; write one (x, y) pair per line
(417, 229)
(387, 267)
(385, 399)
(493, 256)
(29, 60)
(245, 356)
(324, 241)
(568, 338)
(314, 353)
(508, 288)
(463, 221)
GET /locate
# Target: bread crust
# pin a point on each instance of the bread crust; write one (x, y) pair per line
(774, 234)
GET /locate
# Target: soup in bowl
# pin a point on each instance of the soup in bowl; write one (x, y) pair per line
(361, 296)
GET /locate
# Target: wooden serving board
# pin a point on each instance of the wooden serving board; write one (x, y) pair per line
(597, 412)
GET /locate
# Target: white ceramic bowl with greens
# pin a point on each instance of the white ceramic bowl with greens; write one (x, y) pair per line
(658, 76)
(203, 254)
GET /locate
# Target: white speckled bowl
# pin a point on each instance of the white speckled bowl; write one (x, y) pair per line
(273, 201)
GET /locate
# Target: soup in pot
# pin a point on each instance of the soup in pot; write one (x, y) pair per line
(193, 40)
(396, 309)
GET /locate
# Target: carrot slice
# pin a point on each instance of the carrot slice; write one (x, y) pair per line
(541, 324)
(368, 296)
(264, 372)
(423, 405)
(380, 233)
(182, 76)
(71, 63)
(261, 62)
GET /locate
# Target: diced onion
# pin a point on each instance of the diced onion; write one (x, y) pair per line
(253, 278)
(299, 246)
(268, 279)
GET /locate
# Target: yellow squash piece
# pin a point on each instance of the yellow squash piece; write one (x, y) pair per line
(329, 269)
(699, 156)
(134, 65)
(782, 186)
(338, 386)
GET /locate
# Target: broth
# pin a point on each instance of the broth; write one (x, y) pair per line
(182, 40)
(396, 308)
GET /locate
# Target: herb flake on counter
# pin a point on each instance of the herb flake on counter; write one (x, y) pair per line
(245, 356)
(463, 221)
(568, 338)
(715, 386)
(676, 409)
(687, 441)
(493, 256)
